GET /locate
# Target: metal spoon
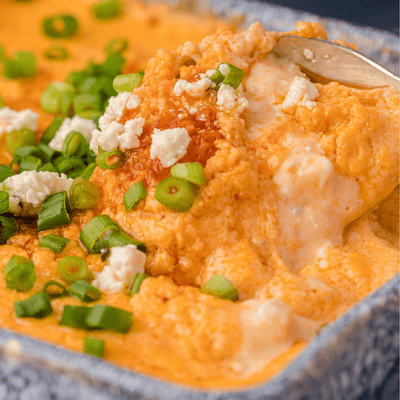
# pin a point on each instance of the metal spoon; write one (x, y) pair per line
(324, 61)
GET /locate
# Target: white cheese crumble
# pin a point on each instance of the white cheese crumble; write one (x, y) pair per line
(122, 266)
(193, 110)
(120, 136)
(301, 93)
(229, 101)
(77, 123)
(11, 120)
(169, 145)
(28, 190)
(194, 89)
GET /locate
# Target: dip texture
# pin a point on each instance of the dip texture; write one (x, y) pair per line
(298, 211)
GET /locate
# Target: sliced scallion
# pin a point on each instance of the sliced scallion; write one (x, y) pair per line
(93, 234)
(106, 317)
(83, 193)
(49, 167)
(54, 212)
(4, 202)
(25, 63)
(134, 195)
(30, 163)
(75, 316)
(19, 138)
(53, 242)
(86, 102)
(72, 269)
(112, 65)
(51, 130)
(60, 26)
(69, 164)
(57, 98)
(55, 289)
(8, 227)
(37, 306)
(5, 172)
(120, 239)
(227, 74)
(19, 274)
(84, 291)
(176, 194)
(44, 152)
(106, 9)
(56, 53)
(191, 171)
(88, 171)
(117, 45)
(93, 347)
(110, 159)
(75, 145)
(222, 287)
(137, 282)
(127, 82)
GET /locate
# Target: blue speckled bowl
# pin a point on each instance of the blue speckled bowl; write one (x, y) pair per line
(347, 359)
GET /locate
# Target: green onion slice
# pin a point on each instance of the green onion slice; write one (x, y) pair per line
(72, 269)
(75, 145)
(176, 194)
(93, 234)
(21, 152)
(134, 195)
(126, 83)
(56, 53)
(106, 9)
(117, 45)
(25, 63)
(8, 227)
(93, 347)
(106, 317)
(88, 171)
(67, 165)
(54, 212)
(227, 74)
(19, 138)
(44, 152)
(20, 274)
(53, 242)
(30, 163)
(50, 132)
(74, 316)
(112, 65)
(48, 167)
(221, 287)
(120, 239)
(5, 172)
(87, 102)
(55, 289)
(37, 306)
(137, 282)
(83, 193)
(110, 159)
(4, 202)
(191, 171)
(60, 26)
(57, 98)
(84, 291)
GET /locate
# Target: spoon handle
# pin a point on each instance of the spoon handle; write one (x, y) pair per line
(324, 61)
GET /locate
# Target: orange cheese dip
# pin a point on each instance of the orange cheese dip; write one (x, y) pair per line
(297, 211)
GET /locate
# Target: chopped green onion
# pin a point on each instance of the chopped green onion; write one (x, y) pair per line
(53, 242)
(84, 291)
(37, 306)
(8, 227)
(50, 132)
(112, 65)
(60, 26)
(110, 159)
(191, 171)
(2, 104)
(93, 347)
(57, 98)
(21, 152)
(10, 69)
(134, 195)
(86, 102)
(4, 202)
(54, 212)
(20, 274)
(106, 9)
(137, 282)
(30, 163)
(3, 55)
(106, 317)
(19, 138)
(26, 63)
(57, 53)
(94, 115)
(56, 289)
(75, 173)
(83, 193)
(5, 172)
(75, 316)
(69, 164)
(117, 45)
(73, 268)
(120, 239)
(126, 83)
(176, 194)
(75, 145)
(44, 152)
(88, 171)
(221, 287)
(49, 167)
(227, 74)
(94, 232)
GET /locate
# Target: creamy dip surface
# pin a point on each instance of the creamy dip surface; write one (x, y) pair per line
(298, 209)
